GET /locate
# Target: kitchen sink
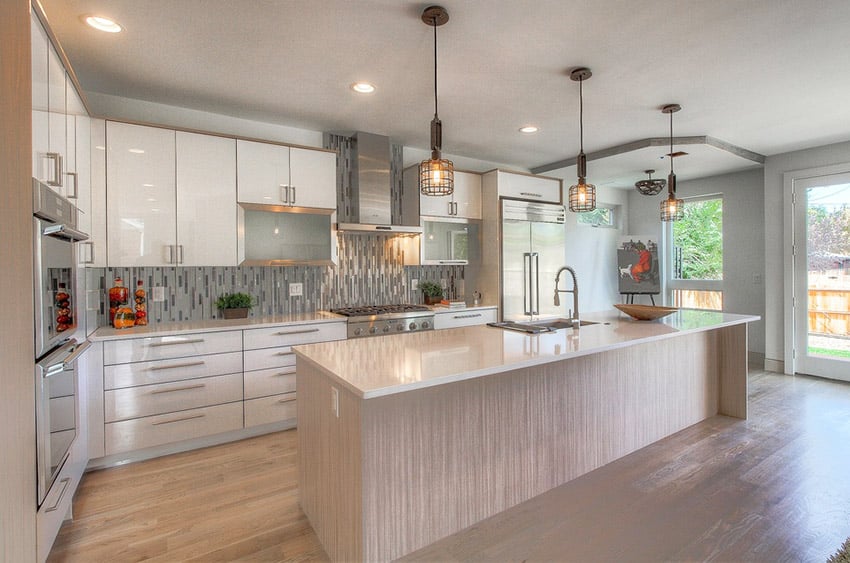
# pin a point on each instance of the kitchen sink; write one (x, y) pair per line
(555, 324)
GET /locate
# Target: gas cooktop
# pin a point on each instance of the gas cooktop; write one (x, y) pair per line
(377, 320)
(369, 310)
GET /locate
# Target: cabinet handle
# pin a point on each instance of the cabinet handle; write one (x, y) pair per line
(179, 253)
(285, 354)
(472, 316)
(64, 482)
(304, 331)
(530, 194)
(175, 366)
(57, 169)
(286, 400)
(170, 253)
(454, 208)
(292, 202)
(178, 419)
(184, 388)
(283, 373)
(74, 176)
(284, 193)
(90, 246)
(451, 261)
(186, 341)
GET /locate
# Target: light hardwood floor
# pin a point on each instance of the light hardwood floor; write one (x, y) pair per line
(772, 488)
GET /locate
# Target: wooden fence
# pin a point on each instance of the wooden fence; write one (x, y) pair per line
(829, 311)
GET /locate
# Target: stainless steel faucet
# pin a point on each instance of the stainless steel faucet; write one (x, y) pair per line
(574, 291)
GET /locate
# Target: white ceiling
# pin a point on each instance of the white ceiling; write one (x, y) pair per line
(770, 76)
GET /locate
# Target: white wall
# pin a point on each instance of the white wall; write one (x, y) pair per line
(592, 252)
(776, 210)
(743, 238)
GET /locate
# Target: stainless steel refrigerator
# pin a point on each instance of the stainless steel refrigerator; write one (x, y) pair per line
(533, 247)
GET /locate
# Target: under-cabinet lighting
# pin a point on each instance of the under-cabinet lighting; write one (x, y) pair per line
(103, 24)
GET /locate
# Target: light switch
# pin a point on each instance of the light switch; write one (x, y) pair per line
(158, 293)
(296, 289)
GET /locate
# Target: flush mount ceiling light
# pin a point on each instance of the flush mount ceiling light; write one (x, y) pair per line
(363, 87)
(529, 129)
(582, 197)
(103, 24)
(650, 186)
(437, 175)
(672, 209)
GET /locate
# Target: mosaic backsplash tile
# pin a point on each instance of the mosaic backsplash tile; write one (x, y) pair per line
(371, 271)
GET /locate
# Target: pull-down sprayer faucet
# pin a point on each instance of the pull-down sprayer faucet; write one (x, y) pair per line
(574, 291)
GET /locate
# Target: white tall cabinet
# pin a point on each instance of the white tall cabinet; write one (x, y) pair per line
(171, 197)
(281, 175)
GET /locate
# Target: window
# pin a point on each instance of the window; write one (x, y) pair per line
(599, 217)
(697, 255)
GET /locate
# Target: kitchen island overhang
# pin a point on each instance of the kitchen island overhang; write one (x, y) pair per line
(406, 439)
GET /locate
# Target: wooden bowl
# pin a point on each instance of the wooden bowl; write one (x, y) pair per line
(646, 312)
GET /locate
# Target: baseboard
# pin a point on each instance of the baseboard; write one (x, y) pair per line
(755, 360)
(777, 366)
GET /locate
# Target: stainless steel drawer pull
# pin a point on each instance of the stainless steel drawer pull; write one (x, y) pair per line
(305, 331)
(176, 366)
(64, 482)
(186, 341)
(289, 400)
(286, 353)
(472, 316)
(283, 373)
(178, 419)
(184, 388)
(532, 194)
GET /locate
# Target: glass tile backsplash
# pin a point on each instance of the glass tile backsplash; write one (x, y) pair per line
(371, 271)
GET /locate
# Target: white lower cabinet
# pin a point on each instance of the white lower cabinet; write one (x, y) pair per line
(266, 410)
(464, 317)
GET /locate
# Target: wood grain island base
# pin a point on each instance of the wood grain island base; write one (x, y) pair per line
(479, 420)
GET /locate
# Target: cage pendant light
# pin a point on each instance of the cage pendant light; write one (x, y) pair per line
(672, 209)
(582, 196)
(650, 186)
(437, 175)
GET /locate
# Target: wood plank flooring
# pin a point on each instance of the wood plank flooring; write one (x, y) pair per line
(772, 488)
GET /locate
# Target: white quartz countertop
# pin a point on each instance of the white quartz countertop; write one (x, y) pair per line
(385, 365)
(213, 325)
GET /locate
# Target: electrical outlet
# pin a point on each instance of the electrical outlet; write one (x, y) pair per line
(414, 284)
(158, 293)
(757, 279)
(443, 283)
(296, 289)
(335, 401)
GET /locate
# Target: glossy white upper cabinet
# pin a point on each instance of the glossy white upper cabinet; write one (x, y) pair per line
(93, 251)
(206, 200)
(262, 173)
(277, 175)
(141, 207)
(312, 178)
(56, 117)
(465, 202)
(528, 187)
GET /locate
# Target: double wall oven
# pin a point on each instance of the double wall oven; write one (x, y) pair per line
(54, 234)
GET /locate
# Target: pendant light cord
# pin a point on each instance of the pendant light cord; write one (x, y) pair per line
(671, 142)
(434, 25)
(581, 116)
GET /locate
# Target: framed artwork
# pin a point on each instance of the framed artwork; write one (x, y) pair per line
(637, 265)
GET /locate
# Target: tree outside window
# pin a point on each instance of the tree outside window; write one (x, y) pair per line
(698, 241)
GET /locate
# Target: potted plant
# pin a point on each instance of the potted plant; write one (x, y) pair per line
(432, 291)
(234, 305)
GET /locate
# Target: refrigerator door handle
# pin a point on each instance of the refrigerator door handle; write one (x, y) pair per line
(526, 283)
(536, 307)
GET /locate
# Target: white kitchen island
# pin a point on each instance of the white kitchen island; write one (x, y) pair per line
(405, 439)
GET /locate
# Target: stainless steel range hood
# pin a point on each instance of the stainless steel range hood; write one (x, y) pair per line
(371, 188)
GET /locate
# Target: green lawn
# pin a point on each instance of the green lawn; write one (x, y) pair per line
(828, 352)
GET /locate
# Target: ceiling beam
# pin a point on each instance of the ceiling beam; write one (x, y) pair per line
(654, 142)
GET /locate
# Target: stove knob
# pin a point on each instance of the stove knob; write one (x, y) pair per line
(387, 328)
(373, 330)
(358, 331)
(412, 326)
(400, 327)
(425, 324)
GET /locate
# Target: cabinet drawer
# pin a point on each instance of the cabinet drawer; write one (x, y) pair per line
(265, 382)
(464, 318)
(133, 402)
(151, 431)
(164, 347)
(268, 358)
(293, 334)
(163, 371)
(270, 409)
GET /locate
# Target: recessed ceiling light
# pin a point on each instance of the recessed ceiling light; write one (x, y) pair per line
(529, 129)
(103, 24)
(363, 87)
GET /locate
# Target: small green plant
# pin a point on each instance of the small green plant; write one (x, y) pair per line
(235, 301)
(431, 289)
